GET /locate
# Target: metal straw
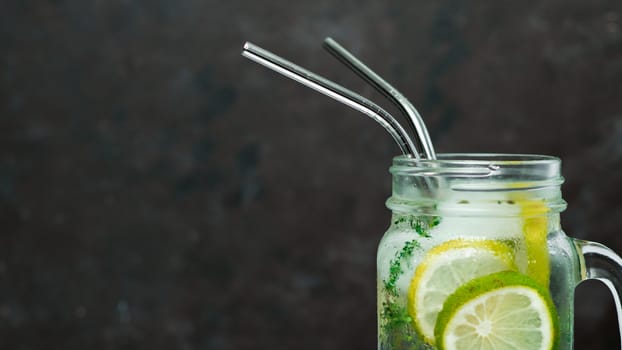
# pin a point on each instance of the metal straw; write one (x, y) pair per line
(414, 119)
(333, 90)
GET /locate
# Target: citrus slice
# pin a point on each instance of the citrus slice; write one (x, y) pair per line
(535, 230)
(505, 310)
(445, 268)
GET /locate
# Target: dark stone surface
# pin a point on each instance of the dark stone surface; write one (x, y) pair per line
(159, 191)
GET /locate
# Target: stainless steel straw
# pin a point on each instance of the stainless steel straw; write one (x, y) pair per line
(333, 90)
(414, 119)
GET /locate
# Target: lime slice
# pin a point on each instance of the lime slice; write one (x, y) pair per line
(445, 268)
(505, 310)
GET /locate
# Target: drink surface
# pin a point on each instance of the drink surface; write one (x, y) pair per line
(433, 269)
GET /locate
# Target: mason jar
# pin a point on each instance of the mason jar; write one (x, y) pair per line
(475, 257)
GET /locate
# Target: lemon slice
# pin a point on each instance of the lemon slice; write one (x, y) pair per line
(445, 268)
(535, 230)
(505, 310)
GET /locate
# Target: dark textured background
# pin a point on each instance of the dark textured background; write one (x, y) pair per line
(158, 191)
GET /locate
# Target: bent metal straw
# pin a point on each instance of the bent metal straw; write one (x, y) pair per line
(335, 91)
(414, 118)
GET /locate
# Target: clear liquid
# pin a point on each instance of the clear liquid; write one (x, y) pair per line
(409, 238)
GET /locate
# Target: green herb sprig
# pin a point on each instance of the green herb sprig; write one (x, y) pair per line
(396, 320)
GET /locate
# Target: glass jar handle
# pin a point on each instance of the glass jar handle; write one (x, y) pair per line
(603, 264)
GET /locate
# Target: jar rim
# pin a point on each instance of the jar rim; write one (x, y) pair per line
(479, 159)
(493, 166)
(482, 176)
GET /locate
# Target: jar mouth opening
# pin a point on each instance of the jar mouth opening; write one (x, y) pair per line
(474, 159)
(484, 166)
(477, 178)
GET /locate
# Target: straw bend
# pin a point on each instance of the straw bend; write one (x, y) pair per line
(414, 118)
(333, 90)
